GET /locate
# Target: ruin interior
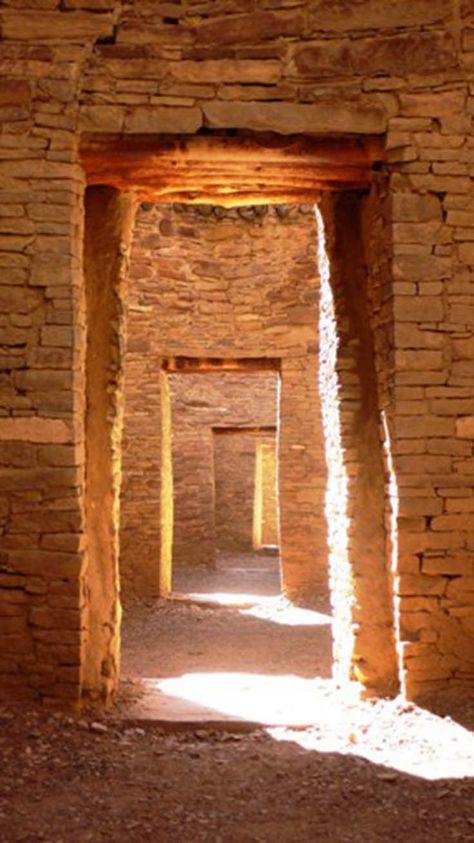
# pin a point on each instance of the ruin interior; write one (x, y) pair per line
(237, 315)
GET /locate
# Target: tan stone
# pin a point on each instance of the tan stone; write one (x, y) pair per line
(19, 25)
(466, 253)
(419, 309)
(227, 70)
(396, 54)
(419, 585)
(36, 430)
(166, 120)
(14, 92)
(465, 427)
(439, 565)
(436, 104)
(341, 15)
(358, 117)
(101, 118)
(421, 268)
(48, 618)
(251, 28)
(411, 359)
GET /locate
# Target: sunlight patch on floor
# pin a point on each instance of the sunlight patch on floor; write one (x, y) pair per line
(420, 744)
(318, 716)
(274, 609)
(258, 698)
(281, 611)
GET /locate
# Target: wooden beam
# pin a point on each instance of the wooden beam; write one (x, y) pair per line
(228, 169)
(204, 365)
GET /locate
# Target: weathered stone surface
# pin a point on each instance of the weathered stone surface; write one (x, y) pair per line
(103, 67)
(345, 15)
(101, 118)
(164, 120)
(227, 70)
(250, 29)
(419, 309)
(465, 427)
(396, 54)
(19, 25)
(357, 117)
(36, 430)
(14, 92)
(436, 104)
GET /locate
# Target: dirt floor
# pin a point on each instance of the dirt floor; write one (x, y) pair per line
(360, 771)
(190, 634)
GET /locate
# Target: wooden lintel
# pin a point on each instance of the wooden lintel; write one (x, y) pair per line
(269, 431)
(225, 169)
(205, 365)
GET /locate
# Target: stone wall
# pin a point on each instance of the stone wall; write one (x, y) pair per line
(400, 70)
(238, 284)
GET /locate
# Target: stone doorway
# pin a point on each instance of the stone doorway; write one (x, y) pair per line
(225, 498)
(305, 511)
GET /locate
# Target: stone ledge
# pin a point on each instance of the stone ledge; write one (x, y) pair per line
(285, 118)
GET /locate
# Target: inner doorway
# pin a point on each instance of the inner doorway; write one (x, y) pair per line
(225, 495)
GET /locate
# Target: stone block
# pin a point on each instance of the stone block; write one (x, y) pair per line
(22, 25)
(432, 104)
(409, 427)
(421, 268)
(159, 119)
(35, 430)
(419, 309)
(465, 427)
(423, 464)
(47, 618)
(101, 118)
(13, 92)
(448, 566)
(46, 563)
(355, 116)
(461, 589)
(395, 54)
(466, 253)
(346, 15)
(420, 506)
(408, 586)
(418, 359)
(235, 30)
(263, 72)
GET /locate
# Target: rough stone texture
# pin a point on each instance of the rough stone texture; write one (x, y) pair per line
(240, 284)
(361, 583)
(109, 59)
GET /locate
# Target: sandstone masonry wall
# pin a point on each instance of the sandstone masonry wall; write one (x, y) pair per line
(401, 70)
(206, 512)
(235, 459)
(210, 283)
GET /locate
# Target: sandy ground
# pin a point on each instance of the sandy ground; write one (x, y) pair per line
(64, 780)
(361, 772)
(169, 638)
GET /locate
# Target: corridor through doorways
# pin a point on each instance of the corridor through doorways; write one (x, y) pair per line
(286, 321)
(234, 445)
